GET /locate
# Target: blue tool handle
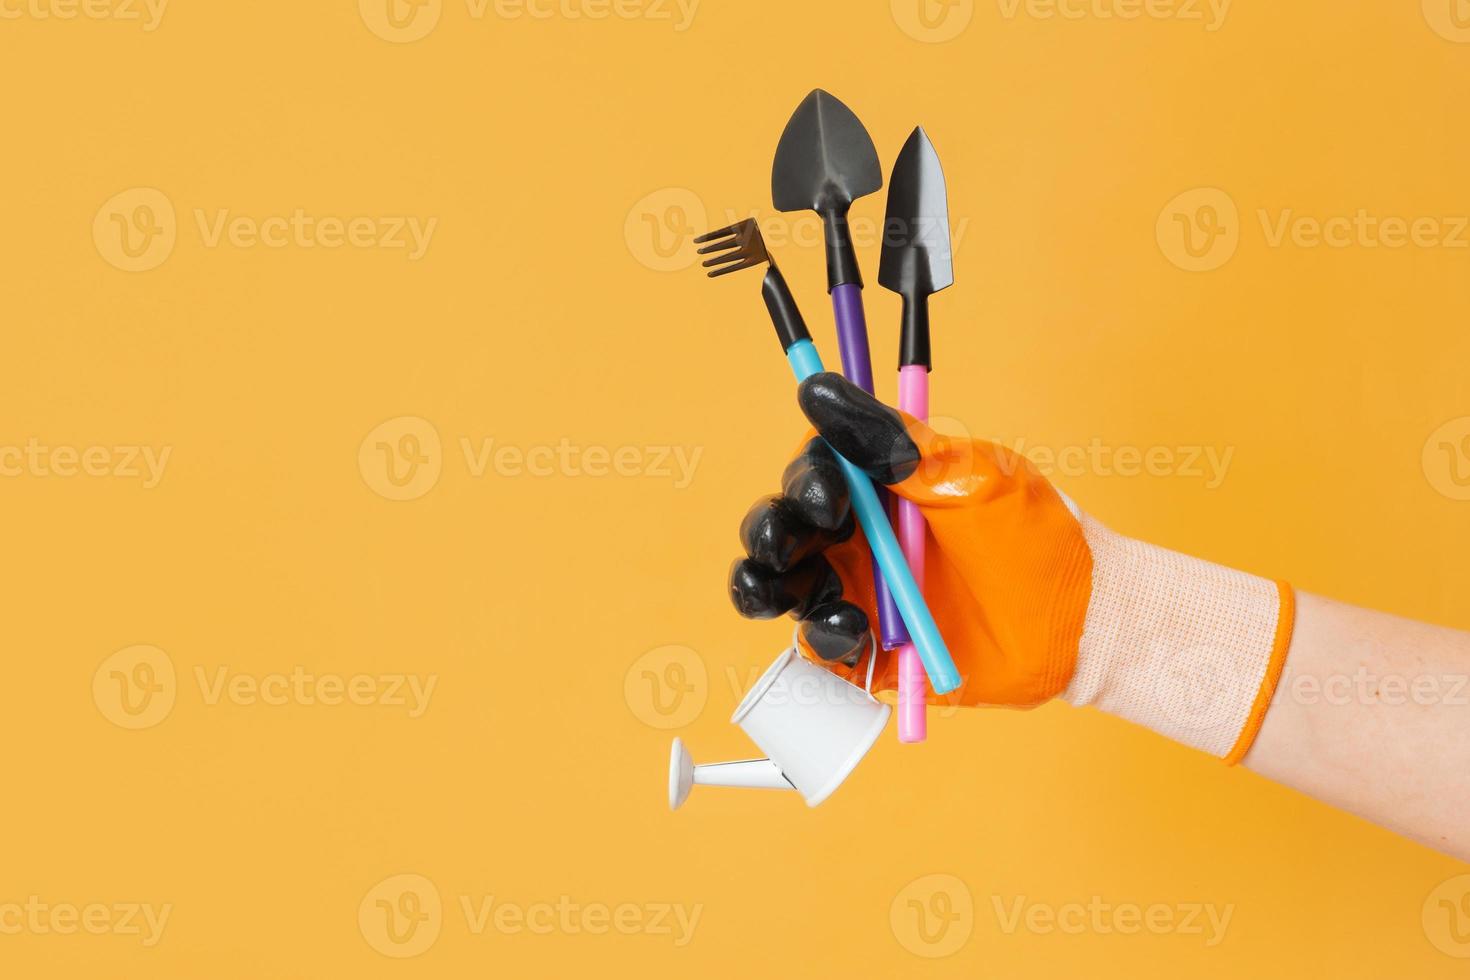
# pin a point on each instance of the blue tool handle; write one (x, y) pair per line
(938, 664)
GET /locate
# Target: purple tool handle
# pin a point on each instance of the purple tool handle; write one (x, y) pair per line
(857, 365)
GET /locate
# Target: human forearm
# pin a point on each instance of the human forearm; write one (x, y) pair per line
(1373, 717)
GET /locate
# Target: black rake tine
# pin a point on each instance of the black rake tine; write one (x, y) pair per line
(724, 258)
(721, 232)
(721, 246)
(726, 269)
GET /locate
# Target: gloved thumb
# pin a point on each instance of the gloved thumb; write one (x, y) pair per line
(884, 443)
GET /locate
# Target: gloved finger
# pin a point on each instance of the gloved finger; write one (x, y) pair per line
(890, 446)
(761, 592)
(837, 632)
(775, 534)
(871, 435)
(814, 486)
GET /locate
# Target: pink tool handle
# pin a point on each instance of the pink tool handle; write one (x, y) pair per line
(913, 686)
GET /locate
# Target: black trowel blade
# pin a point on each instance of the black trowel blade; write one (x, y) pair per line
(916, 258)
(825, 159)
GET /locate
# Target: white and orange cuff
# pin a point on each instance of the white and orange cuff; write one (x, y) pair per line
(1187, 648)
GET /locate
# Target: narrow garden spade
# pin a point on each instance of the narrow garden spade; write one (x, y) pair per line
(916, 263)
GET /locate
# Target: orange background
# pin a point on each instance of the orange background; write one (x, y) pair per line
(549, 151)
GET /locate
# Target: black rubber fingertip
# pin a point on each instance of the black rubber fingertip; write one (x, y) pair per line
(814, 583)
(858, 426)
(755, 592)
(814, 486)
(837, 631)
(770, 533)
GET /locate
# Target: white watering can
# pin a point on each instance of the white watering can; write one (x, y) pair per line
(813, 726)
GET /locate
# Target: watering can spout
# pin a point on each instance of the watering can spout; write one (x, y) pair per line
(749, 773)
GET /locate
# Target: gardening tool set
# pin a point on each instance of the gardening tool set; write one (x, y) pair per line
(825, 160)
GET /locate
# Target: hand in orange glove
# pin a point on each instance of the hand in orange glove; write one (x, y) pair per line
(1035, 599)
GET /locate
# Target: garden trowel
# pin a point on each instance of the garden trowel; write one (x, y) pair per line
(825, 161)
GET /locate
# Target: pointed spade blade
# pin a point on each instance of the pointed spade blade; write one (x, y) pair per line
(825, 159)
(916, 258)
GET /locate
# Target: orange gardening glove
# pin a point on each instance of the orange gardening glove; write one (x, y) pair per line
(1035, 598)
(1008, 571)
